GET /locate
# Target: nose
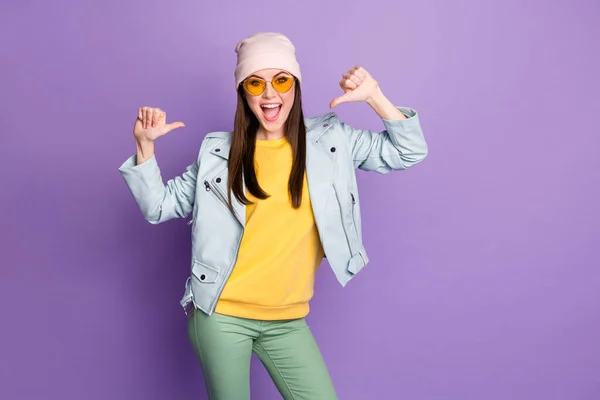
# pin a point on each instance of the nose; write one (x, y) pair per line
(269, 91)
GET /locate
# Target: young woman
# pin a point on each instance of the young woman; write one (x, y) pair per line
(268, 201)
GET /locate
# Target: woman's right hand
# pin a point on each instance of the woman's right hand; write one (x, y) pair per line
(151, 123)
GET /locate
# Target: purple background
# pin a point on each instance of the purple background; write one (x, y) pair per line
(484, 280)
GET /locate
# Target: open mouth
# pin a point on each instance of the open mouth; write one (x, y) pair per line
(271, 111)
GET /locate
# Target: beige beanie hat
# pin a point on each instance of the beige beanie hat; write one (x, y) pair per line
(265, 50)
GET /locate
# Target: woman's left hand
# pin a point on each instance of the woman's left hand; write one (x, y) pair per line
(358, 85)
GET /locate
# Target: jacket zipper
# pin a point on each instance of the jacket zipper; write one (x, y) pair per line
(342, 220)
(353, 218)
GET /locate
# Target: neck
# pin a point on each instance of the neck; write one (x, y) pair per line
(261, 134)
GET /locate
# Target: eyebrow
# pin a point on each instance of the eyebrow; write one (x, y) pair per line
(279, 73)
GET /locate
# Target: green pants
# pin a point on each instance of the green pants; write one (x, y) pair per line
(224, 345)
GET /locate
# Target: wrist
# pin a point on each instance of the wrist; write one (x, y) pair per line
(143, 143)
(376, 98)
(383, 106)
(144, 150)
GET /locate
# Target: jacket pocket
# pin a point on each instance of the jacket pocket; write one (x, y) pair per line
(204, 273)
(220, 196)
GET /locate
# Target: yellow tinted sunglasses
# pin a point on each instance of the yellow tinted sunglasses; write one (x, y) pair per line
(256, 86)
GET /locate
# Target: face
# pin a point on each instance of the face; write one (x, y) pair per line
(271, 108)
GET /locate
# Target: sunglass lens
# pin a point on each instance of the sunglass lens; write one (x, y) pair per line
(282, 83)
(254, 86)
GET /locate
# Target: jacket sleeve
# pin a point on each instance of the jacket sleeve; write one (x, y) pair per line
(160, 202)
(400, 146)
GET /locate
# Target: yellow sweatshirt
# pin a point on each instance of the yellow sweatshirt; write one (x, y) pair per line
(280, 250)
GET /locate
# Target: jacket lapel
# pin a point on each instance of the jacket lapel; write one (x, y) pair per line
(222, 150)
(321, 156)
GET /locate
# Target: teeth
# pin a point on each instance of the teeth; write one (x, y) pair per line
(270, 105)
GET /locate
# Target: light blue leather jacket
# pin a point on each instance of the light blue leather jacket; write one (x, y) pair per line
(334, 150)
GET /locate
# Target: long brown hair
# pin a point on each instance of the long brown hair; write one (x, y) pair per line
(241, 155)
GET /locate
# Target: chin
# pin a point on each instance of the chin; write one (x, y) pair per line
(273, 125)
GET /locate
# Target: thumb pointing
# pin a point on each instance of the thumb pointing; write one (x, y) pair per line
(338, 100)
(174, 125)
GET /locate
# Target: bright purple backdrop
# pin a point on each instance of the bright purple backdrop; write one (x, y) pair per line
(484, 281)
